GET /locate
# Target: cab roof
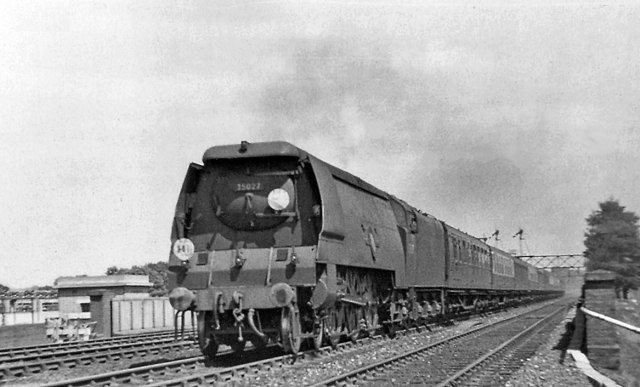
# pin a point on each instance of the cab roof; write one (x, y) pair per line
(248, 150)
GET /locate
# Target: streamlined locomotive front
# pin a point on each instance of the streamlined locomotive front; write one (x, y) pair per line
(244, 246)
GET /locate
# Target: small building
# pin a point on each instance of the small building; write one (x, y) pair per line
(27, 306)
(74, 293)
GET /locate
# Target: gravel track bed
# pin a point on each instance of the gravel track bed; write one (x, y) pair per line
(438, 364)
(548, 366)
(308, 371)
(501, 366)
(223, 362)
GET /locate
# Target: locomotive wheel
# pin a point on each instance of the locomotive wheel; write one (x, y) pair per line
(290, 329)
(206, 339)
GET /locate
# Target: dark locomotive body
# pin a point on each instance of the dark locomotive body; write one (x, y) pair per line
(271, 244)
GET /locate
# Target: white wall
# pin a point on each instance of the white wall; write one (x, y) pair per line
(132, 315)
(16, 318)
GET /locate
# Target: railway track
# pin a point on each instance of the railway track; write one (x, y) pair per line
(173, 373)
(33, 361)
(13, 352)
(138, 375)
(270, 370)
(165, 370)
(499, 364)
(484, 356)
(197, 373)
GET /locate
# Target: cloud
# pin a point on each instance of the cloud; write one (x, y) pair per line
(453, 146)
(347, 94)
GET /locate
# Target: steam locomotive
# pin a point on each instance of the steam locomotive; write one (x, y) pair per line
(271, 244)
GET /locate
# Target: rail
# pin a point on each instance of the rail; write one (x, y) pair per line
(524, 335)
(6, 354)
(610, 320)
(379, 370)
(18, 367)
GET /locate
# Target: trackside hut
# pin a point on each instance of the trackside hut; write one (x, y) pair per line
(74, 293)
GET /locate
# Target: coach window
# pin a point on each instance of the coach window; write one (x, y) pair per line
(454, 249)
(465, 251)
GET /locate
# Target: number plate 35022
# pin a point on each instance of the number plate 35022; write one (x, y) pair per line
(241, 187)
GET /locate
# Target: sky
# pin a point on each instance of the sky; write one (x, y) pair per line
(488, 115)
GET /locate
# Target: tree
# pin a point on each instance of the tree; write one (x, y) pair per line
(112, 270)
(45, 287)
(3, 288)
(612, 243)
(157, 272)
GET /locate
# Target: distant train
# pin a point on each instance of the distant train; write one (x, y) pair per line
(270, 244)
